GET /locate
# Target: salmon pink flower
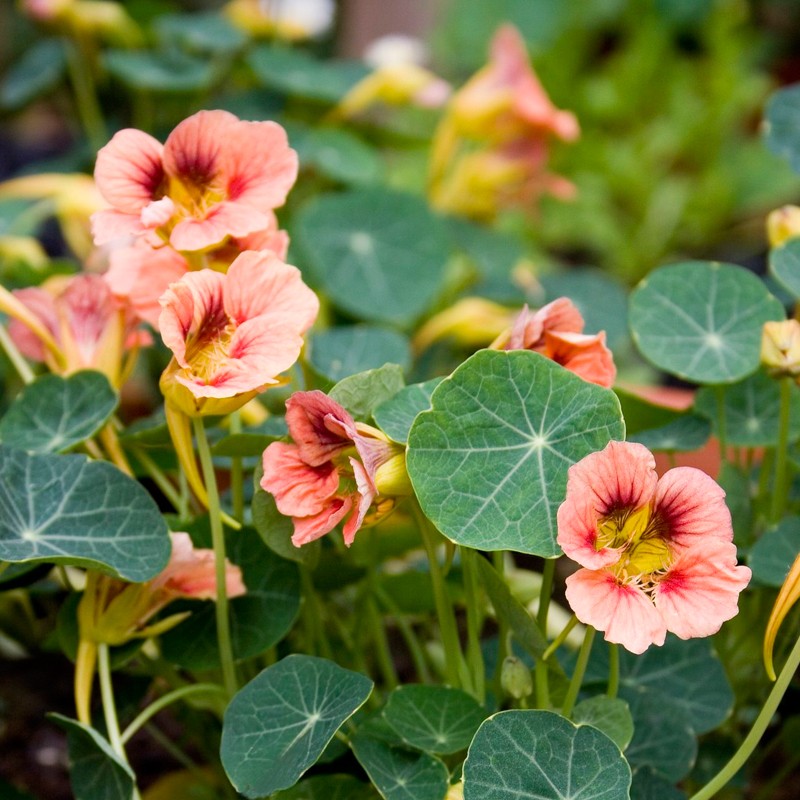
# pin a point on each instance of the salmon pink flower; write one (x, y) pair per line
(657, 553)
(232, 334)
(330, 473)
(215, 177)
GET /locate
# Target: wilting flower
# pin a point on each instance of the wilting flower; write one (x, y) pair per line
(657, 553)
(79, 324)
(215, 177)
(336, 469)
(783, 224)
(556, 331)
(232, 334)
(780, 348)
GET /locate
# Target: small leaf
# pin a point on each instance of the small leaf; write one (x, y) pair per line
(396, 415)
(702, 320)
(40, 68)
(96, 771)
(539, 755)
(489, 460)
(339, 155)
(398, 773)
(69, 510)
(609, 715)
(379, 255)
(277, 726)
(252, 441)
(360, 394)
(200, 33)
(347, 350)
(173, 71)
(752, 411)
(784, 264)
(782, 124)
(436, 719)
(774, 553)
(53, 413)
(686, 433)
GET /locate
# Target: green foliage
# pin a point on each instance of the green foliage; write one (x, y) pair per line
(360, 394)
(37, 71)
(396, 415)
(774, 553)
(609, 715)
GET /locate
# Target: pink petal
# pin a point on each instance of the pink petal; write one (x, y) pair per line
(364, 497)
(260, 284)
(373, 452)
(43, 305)
(158, 212)
(308, 415)
(260, 167)
(529, 328)
(624, 613)
(621, 476)
(270, 238)
(192, 152)
(307, 529)
(701, 589)
(587, 356)
(110, 226)
(87, 306)
(129, 171)
(221, 221)
(299, 489)
(690, 506)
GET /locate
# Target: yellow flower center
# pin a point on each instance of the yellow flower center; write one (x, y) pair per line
(210, 347)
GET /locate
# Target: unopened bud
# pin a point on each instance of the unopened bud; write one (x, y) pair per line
(780, 348)
(783, 224)
(391, 478)
(515, 678)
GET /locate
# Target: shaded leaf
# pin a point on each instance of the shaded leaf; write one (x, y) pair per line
(360, 394)
(686, 433)
(609, 715)
(774, 553)
(396, 415)
(40, 68)
(784, 264)
(782, 124)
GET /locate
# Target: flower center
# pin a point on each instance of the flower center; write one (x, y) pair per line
(209, 348)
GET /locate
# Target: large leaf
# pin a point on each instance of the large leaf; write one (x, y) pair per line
(337, 154)
(53, 413)
(782, 124)
(611, 715)
(437, 719)
(399, 773)
(96, 771)
(69, 510)
(774, 553)
(378, 255)
(702, 320)
(784, 264)
(360, 394)
(396, 415)
(259, 619)
(539, 755)
(277, 726)
(329, 787)
(489, 460)
(172, 71)
(648, 785)
(752, 411)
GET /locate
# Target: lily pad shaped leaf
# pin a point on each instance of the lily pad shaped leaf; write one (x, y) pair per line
(784, 264)
(53, 413)
(539, 755)
(65, 509)
(774, 553)
(396, 415)
(437, 719)
(782, 124)
(489, 460)
(378, 255)
(360, 394)
(96, 771)
(610, 715)
(702, 320)
(277, 726)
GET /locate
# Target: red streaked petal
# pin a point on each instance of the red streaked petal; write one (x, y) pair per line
(364, 497)
(223, 220)
(306, 414)
(300, 490)
(585, 355)
(192, 152)
(307, 529)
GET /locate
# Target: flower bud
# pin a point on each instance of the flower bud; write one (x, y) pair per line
(515, 678)
(780, 348)
(783, 224)
(391, 477)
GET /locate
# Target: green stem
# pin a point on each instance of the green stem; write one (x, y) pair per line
(545, 592)
(408, 634)
(313, 614)
(163, 702)
(15, 357)
(382, 652)
(237, 471)
(110, 708)
(613, 670)
(577, 676)
(498, 561)
(757, 731)
(218, 541)
(561, 638)
(722, 434)
(158, 477)
(780, 490)
(474, 622)
(83, 86)
(454, 669)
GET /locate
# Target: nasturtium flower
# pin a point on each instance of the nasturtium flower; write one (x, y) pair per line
(215, 177)
(231, 335)
(657, 553)
(336, 469)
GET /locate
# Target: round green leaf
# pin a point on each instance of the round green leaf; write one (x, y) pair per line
(647, 785)
(774, 553)
(339, 155)
(359, 394)
(200, 33)
(702, 320)
(173, 71)
(69, 510)
(437, 719)
(349, 349)
(53, 413)
(752, 411)
(784, 264)
(686, 433)
(329, 787)
(539, 755)
(259, 619)
(489, 460)
(782, 124)
(40, 68)
(297, 73)
(277, 726)
(396, 415)
(96, 771)
(609, 715)
(378, 255)
(398, 773)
